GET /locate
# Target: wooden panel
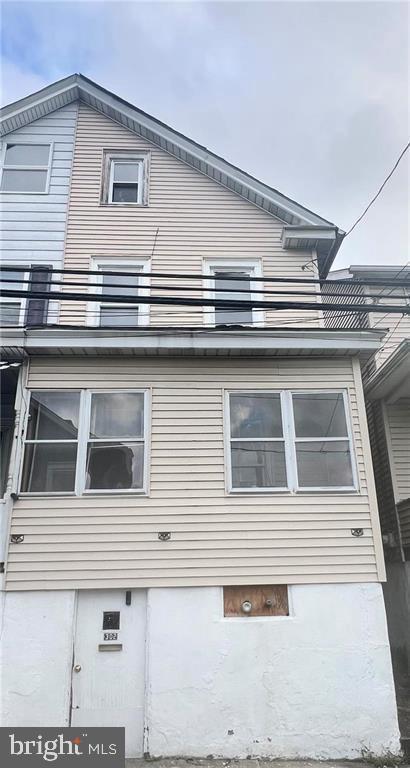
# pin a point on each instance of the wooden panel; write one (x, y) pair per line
(189, 218)
(262, 600)
(217, 538)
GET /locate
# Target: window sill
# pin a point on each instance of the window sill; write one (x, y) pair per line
(123, 205)
(22, 192)
(73, 495)
(291, 492)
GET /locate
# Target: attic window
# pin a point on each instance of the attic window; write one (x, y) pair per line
(25, 168)
(125, 179)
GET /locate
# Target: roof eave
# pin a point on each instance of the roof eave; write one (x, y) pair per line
(256, 192)
(20, 342)
(391, 380)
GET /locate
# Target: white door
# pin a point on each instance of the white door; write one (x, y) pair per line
(109, 663)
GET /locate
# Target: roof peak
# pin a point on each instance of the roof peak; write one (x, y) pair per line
(79, 87)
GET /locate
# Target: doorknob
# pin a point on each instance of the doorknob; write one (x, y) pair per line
(77, 668)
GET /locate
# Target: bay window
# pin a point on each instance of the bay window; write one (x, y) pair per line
(289, 441)
(82, 442)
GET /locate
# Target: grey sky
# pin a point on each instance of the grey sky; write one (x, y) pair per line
(310, 97)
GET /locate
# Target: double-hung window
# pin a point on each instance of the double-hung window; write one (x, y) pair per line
(289, 441)
(22, 310)
(84, 442)
(125, 179)
(25, 168)
(108, 313)
(233, 280)
(13, 309)
(51, 446)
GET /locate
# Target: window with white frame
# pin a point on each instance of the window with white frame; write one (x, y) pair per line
(84, 442)
(231, 280)
(125, 178)
(289, 441)
(111, 284)
(12, 309)
(25, 168)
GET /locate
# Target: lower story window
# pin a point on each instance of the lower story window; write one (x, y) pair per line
(79, 442)
(289, 441)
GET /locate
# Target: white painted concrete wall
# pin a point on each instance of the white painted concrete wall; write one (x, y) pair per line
(36, 658)
(397, 597)
(318, 684)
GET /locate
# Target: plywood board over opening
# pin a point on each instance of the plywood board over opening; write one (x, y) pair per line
(255, 600)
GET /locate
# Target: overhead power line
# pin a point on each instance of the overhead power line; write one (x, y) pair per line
(381, 282)
(189, 301)
(190, 288)
(373, 200)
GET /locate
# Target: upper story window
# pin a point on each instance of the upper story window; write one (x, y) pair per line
(289, 441)
(25, 168)
(109, 313)
(125, 178)
(82, 442)
(233, 281)
(17, 310)
(13, 310)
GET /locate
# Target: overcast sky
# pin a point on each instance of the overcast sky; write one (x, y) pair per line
(310, 97)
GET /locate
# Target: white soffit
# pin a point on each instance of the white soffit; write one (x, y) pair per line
(305, 343)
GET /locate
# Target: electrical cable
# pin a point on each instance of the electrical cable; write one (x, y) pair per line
(194, 276)
(373, 200)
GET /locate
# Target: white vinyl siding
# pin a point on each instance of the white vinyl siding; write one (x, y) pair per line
(111, 540)
(189, 218)
(32, 226)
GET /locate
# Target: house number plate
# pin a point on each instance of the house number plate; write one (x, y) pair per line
(110, 635)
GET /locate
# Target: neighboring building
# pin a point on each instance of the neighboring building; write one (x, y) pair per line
(190, 488)
(387, 391)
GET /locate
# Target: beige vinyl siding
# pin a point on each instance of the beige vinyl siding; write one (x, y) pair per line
(397, 327)
(112, 540)
(383, 477)
(398, 418)
(196, 219)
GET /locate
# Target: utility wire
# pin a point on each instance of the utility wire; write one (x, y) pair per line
(190, 288)
(381, 282)
(189, 301)
(373, 200)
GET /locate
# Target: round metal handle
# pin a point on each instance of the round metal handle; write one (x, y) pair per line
(246, 606)
(77, 668)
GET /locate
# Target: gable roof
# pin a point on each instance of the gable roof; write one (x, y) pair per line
(78, 87)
